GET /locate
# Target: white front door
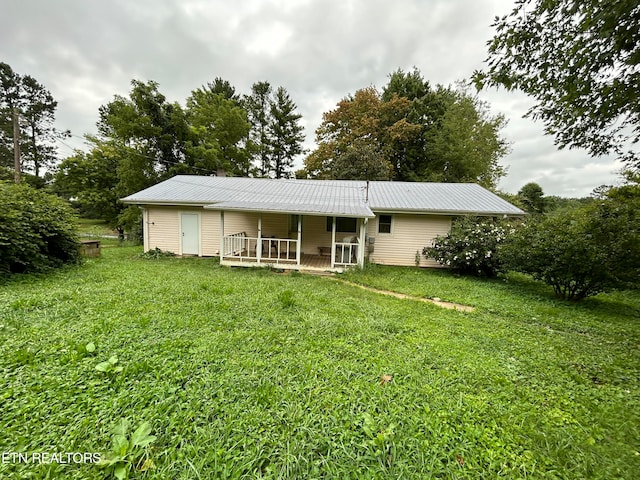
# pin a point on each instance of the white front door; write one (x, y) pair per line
(190, 232)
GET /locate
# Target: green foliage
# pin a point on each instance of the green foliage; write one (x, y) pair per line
(90, 179)
(276, 134)
(36, 107)
(37, 230)
(472, 246)
(156, 254)
(584, 251)
(237, 386)
(579, 60)
(131, 220)
(532, 198)
(220, 129)
(286, 133)
(109, 366)
(361, 161)
(425, 134)
(129, 452)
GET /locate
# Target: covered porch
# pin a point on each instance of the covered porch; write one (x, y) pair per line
(305, 247)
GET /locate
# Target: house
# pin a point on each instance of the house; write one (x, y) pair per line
(306, 224)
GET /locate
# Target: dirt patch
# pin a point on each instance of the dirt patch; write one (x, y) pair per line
(434, 301)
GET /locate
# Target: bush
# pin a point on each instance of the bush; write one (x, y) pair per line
(581, 252)
(37, 230)
(472, 246)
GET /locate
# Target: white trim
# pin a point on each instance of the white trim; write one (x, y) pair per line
(198, 215)
(390, 233)
(145, 229)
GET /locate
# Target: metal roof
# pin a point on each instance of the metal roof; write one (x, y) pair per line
(323, 197)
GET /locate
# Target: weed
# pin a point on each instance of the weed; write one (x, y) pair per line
(287, 299)
(129, 452)
(156, 254)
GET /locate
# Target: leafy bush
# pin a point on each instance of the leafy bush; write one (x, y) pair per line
(472, 246)
(37, 230)
(581, 252)
(156, 253)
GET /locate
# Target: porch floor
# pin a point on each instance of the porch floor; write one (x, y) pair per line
(316, 263)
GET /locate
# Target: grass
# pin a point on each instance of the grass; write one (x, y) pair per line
(246, 373)
(97, 229)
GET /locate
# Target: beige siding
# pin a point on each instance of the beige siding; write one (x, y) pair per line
(210, 232)
(314, 234)
(163, 227)
(409, 233)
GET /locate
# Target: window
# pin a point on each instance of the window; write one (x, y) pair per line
(343, 224)
(293, 223)
(384, 224)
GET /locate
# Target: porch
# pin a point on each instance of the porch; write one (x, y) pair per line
(244, 251)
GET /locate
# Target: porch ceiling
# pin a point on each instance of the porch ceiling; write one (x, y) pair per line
(322, 209)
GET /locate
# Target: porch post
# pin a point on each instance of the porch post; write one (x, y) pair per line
(333, 243)
(221, 236)
(259, 245)
(298, 244)
(363, 233)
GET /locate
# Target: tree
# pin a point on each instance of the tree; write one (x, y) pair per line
(219, 130)
(258, 107)
(465, 145)
(36, 109)
(361, 161)
(285, 132)
(584, 251)
(579, 60)
(425, 134)
(91, 179)
(150, 133)
(360, 120)
(532, 198)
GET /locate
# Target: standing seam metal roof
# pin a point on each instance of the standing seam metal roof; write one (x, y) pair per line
(324, 197)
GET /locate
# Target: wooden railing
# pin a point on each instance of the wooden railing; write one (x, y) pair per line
(240, 247)
(346, 253)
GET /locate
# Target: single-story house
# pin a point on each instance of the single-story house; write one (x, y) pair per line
(306, 224)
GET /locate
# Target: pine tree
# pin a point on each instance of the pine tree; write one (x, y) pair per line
(286, 134)
(36, 108)
(257, 106)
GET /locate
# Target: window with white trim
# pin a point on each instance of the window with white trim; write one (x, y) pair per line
(384, 223)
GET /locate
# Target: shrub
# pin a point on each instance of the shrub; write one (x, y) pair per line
(581, 252)
(472, 246)
(37, 230)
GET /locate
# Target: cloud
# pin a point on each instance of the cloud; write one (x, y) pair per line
(319, 50)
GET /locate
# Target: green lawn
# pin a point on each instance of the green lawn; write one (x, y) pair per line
(252, 374)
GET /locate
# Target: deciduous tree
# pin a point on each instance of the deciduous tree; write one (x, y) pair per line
(579, 60)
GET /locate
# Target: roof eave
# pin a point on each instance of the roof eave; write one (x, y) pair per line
(448, 212)
(287, 211)
(165, 203)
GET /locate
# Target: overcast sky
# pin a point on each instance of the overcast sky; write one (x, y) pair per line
(87, 51)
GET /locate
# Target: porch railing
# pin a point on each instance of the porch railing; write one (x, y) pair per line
(346, 253)
(240, 247)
